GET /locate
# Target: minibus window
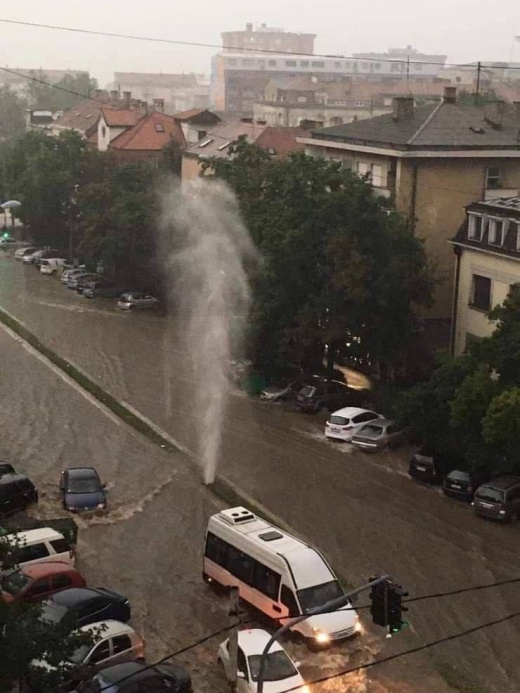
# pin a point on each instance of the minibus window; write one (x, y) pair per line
(311, 597)
(289, 600)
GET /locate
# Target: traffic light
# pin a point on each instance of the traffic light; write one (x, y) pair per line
(386, 607)
(6, 234)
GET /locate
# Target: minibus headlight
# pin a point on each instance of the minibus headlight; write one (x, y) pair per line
(321, 637)
(358, 627)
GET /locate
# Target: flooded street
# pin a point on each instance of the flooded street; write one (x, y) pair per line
(362, 511)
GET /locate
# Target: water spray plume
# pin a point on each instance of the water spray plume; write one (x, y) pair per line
(207, 246)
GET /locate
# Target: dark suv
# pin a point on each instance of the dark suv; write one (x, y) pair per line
(431, 466)
(461, 484)
(16, 493)
(321, 393)
(499, 499)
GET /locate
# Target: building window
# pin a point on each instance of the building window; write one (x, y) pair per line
(248, 62)
(304, 63)
(497, 231)
(377, 66)
(475, 227)
(291, 63)
(271, 63)
(231, 61)
(418, 67)
(302, 99)
(317, 63)
(363, 169)
(492, 178)
(376, 175)
(480, 292)
(337, 64)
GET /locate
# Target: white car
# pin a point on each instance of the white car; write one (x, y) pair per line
(8, 242)
(280, 673)
(344, 423)
(51, 265)
(25, 250)
(136, 300)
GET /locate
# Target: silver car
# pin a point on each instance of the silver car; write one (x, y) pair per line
(135, 299)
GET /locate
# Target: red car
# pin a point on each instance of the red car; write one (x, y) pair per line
(38, 581)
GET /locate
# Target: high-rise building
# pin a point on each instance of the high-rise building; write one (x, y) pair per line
(266, 38)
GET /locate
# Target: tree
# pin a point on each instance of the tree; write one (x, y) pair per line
(338, 274)
(26, 639)
(68, 91)
(12, 114)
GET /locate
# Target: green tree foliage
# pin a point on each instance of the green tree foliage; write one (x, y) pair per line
(26, 639)
(472, 403)
(67, 92)
(336, 269)
(12, 114)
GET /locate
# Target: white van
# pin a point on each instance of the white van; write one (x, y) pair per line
(276, 573)
(40, 546)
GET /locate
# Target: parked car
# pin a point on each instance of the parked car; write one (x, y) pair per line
(74, 278)
(38, 546)
(379, 435)
(160, 678)
(6, 243)
(85, 605)
(344, 423)
(6, 468)
(462, 484)
(499, 499)
(115, 643)
(100, 288)
(51, 265)
(36, 582)
(70, 272)
(321, 393)
(30, 258)
(131, 300)
(81, 489)
(26, 250)
(281, 673)
(430, 466)
(283, 390)
(51, 253)
(17, 491)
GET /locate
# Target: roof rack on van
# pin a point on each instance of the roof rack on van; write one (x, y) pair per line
(237, 516)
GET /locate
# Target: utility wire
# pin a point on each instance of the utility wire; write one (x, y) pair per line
(239, 49)
(32, 78)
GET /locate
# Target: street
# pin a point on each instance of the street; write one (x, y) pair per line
(362, 510)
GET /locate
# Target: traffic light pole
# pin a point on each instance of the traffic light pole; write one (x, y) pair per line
(334, 605)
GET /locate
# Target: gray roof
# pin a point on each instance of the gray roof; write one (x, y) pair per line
(218, 139)
(441, 125)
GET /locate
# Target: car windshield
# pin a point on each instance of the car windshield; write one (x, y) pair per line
(278, 666)
(15, 582)
(457, 475)
(319, 595)
(79, 654)
(490, 494)
(307, 391)
(83, 484)
(338, 420)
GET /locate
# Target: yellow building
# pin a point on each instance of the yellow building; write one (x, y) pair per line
(432, 161)
(487, 252)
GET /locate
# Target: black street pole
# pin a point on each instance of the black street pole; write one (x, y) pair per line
(334, 605)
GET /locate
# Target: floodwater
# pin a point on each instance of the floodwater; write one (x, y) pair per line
(362, 511)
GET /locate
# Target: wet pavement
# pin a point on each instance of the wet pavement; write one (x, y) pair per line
(361, 510)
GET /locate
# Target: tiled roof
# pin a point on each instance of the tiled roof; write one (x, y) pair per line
(197, 115)
(190, 113)
(122, 118)
(441, 125)
(80, 117)
(509, 208)
(281, 141)
(152, 133)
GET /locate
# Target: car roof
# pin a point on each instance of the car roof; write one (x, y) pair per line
(37, 570)
(253, 641)
(81, 472)
(36, 535)
(380, 422)
(75, 595)
(503, 482)
(139, 670)
(10, 478)
(348, 412)
(110, 628)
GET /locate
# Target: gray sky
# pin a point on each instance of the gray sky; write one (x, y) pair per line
(465, 30)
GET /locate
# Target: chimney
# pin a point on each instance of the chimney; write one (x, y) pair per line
(98, 93)
(450, 94)
(403, 107)
(158, 105)
(127, 98)
(114, 95)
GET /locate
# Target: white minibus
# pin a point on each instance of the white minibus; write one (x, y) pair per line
(277, 574)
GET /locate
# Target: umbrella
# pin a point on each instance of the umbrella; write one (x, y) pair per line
(11, 204)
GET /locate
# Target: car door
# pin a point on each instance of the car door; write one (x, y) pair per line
(99, 656)
(40, 589)
(121, 649)
(360, 420)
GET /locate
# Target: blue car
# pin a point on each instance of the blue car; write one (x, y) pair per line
(81, 489)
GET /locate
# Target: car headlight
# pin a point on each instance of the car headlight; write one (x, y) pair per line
(321, 637)
(304, 689)
(358, 627)
(101, 505)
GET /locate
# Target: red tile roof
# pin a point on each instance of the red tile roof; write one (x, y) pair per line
(187, 115)
(80, 117)
(121, 118)
(281, 141)
(152, 133)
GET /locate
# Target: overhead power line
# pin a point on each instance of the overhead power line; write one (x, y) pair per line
(239, 49)
(32, 78)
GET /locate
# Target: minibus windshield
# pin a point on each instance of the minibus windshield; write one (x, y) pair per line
(311, 597)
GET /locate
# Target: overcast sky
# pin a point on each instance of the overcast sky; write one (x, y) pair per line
(465, 30)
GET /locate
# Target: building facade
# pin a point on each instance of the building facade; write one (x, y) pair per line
(266, 38)
(177, 92)
(403, 61)
(487, 252)
(431, 161)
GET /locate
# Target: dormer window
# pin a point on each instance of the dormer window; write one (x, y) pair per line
(475, 227)
(497, 231)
